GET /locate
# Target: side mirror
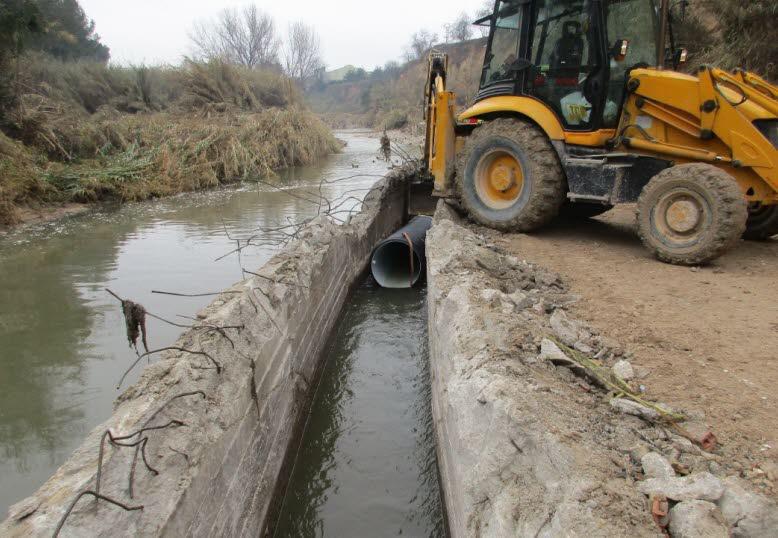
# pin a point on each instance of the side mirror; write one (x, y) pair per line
(620, 49)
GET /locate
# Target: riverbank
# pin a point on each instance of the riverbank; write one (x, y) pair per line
(83, 133)
(168, 154)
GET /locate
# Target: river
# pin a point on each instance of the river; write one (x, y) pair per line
(63, 344)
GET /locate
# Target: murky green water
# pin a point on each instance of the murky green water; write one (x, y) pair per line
(366, 465)
(62, 340)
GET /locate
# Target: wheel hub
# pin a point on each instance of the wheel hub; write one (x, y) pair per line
(499, 179)
(683, 216)
(502, 178)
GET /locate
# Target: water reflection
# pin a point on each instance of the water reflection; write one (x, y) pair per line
(62, 342)
(367, 464)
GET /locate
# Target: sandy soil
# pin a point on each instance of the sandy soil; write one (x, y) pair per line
(708, 337)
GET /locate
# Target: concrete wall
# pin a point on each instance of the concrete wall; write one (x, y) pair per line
(221, 471)
(522, 449)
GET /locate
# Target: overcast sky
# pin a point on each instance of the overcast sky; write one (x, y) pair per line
(358, 32)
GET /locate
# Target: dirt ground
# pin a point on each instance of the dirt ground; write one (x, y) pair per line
(708, 337)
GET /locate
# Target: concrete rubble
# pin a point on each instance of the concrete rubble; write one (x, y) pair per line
(528, 445)
(697, 519)
(700, 486)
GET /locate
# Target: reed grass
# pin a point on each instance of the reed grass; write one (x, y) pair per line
(88, 132)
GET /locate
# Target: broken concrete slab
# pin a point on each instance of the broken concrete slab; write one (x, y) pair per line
(630, 407)
(697, 519)
(700, 486)
(549, 351)
(749, 514)
(656, 466)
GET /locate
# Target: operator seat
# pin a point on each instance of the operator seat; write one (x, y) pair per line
(567, 55)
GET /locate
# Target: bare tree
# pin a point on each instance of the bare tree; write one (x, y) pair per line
(421, 43)
(486, 10)
(302, 53)
(461, 29)
(244, 36)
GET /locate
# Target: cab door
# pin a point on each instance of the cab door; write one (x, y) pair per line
(567, 50)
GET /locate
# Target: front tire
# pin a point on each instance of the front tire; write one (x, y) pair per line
(509, 177)
(691, 214)
(762, 222)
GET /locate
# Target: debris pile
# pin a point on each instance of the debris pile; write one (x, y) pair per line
(581, 386)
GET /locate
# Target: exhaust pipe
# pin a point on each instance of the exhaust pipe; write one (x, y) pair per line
(398, 262)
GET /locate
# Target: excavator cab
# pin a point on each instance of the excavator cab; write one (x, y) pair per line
(571, 55)
(580, 108)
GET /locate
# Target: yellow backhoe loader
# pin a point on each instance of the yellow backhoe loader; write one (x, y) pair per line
(580, 108)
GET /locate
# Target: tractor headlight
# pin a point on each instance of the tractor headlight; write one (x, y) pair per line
(769, 128)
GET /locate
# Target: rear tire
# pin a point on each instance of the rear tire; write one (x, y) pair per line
(691, 214)
(509, 176)
(584, 210)
(762, 223)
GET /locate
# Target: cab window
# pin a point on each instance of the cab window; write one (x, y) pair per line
(565, 57)
(504, 49)
(638, 22)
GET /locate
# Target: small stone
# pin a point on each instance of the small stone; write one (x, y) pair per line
(771, 469)
(546, 279)
(700, 486)
(567, 331)
(637, 453)
(549, 351)
(697, 519)
(624, 370)
(492, 297)
(655, 466)
(749, 514)
(628, 407)
(521, 300)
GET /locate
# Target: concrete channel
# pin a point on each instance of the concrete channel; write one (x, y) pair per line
(205, 443)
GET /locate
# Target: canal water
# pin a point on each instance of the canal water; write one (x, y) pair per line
(62, 338)
(367, 465)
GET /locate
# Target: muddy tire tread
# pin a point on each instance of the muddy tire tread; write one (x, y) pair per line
(763, 231)
(550, 186)
(730, 205)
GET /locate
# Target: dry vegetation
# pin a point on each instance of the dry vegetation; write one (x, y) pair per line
(86, 131)
(731, 34)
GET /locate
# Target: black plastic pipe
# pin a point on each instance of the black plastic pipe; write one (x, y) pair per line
(399, 261)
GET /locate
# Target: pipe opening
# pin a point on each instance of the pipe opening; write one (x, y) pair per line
(392, 266)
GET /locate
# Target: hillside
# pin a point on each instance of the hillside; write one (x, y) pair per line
(393, 97)
(718, 32)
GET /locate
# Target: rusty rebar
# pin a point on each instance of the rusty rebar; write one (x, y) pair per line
(97, 496)
(173, 348)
